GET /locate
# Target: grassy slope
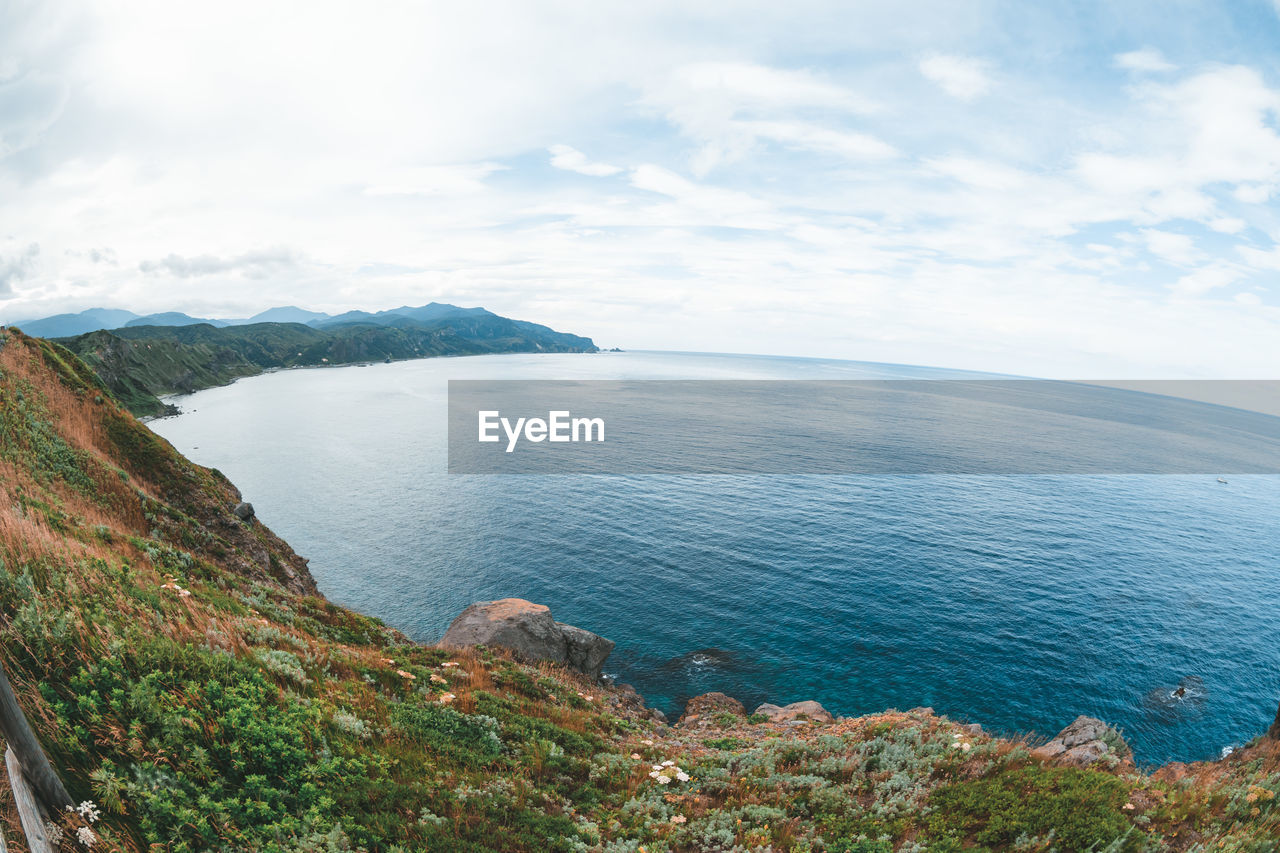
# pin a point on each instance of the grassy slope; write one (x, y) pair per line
(182, 673)
(141, 363)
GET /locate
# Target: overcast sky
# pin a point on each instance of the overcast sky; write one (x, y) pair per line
(1061, 189)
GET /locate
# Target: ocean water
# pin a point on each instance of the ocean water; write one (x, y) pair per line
(1017, 602)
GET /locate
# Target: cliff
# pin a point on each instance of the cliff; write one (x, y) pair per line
(184, 675)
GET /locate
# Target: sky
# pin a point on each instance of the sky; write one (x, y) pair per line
(1064, 189)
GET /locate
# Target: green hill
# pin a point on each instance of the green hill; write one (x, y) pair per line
(139, 364)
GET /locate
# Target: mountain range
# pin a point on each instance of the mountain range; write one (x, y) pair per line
(94, 319)
(142, 358)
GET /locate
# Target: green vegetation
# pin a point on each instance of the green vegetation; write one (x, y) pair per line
(182, 674)
(138, 364)
(1034, 806)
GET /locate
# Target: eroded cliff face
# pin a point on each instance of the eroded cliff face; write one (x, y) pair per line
(66, 441)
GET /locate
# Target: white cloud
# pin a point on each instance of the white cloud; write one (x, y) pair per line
(1213, 276)
(795, 194)
(1145, 59)
(742, 84)
(728, 107)
(573, 160)
(1177, 249)
(959, 76)
(255, 264)
(815, 137)
(1227, 224)
(17, 266)
(447, 180)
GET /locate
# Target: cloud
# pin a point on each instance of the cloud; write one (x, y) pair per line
(959, 76)
(1145, 59)
(742, 84)
(699, 204)
(812, 136)
(1213, 276)
(449, 180)
(573, 160)
(1177, 249)
(256, 264)
(17, 267)
(727, 108)
(818, 178)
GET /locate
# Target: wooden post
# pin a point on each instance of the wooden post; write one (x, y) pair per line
(22, 740)
(28, 808)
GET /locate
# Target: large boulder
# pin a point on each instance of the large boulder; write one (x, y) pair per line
(527, 630)
(806, 710)
(710, 704)
(1084, 742)
(583, 650)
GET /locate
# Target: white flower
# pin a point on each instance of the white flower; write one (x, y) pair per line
(682, 776)
(657, 768)
(668, 764)
(635, 756)
(85, 836)
(664, 780)
(647, 742)
(955, 745)
(654, 774)
(89, 811)
(679, 819)
(965, 747)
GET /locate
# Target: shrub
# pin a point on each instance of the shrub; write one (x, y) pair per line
(1081, 809)
(465, 738)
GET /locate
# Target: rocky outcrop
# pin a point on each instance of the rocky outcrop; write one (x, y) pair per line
(628, 698)
(583, 650)
(244, 510)
(806, 710)
(527, 630)
(1085, 741)
(1274, 731)
(708, 705)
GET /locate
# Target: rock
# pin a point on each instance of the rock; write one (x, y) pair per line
(1274, 731)
(656, 715)
(527, 630)
(1084, 742)
(806, 710)
(628, 697)
(244, 511)
(709, 704)
(584, 651)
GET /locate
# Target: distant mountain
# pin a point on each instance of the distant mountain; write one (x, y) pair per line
(285, 314)
(140, 363)
(173, 318)
(424, 314)
(89, 320)
(93, 319)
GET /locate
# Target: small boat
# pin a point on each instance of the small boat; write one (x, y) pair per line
(1220, 480)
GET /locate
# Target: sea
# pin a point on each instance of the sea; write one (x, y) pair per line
(1014, 601)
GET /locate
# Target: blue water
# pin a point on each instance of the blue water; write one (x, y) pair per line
(1016, 602)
